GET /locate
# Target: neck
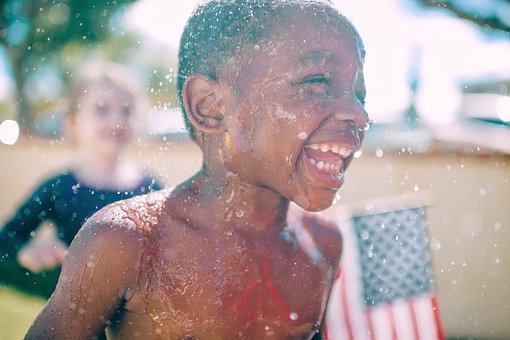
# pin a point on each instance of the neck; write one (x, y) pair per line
(245, 207)
(100, 170)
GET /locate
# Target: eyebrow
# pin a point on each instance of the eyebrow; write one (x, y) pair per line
(315, 56)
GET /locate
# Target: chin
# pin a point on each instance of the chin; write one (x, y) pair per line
(315, 202)
(111, 149)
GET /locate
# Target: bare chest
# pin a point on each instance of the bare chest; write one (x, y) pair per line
(232, 290)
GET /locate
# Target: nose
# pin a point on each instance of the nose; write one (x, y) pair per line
(350, 108)
(118, 120)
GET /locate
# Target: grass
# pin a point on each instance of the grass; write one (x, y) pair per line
(17, 311)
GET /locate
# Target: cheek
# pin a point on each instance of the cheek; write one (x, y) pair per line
(237, 138)
(84, 128)
(129, 127)
(282, 115)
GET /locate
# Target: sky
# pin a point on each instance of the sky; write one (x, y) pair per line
(443, 51)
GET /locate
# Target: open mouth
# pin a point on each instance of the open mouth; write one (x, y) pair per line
(327, 161)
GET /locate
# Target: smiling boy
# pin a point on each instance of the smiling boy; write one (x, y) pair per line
(273, 92)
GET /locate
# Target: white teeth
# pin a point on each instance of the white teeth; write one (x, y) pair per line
(339, 149)
(345, 152)
(326, 167)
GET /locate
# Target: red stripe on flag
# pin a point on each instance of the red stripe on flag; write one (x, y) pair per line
(391, 316)
(325, 332)
(345, 307)
(437, 318)
(338, 273)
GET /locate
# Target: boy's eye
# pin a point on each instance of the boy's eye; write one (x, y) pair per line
(318, 79)
(316, 86)
(126, 109)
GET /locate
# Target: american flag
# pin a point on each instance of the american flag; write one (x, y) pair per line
(384, 287)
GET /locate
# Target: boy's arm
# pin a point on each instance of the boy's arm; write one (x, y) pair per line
(98, 269)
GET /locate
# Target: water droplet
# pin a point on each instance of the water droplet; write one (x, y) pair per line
(340, 176)
(337, 197)
(240, 213)
(302, 135)
(435, 244)
(293, 316)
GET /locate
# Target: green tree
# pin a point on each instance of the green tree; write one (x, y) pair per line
(494, 15)
(32, 30)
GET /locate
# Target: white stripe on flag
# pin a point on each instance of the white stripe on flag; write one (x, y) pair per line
(426, 322)
(402, 310)
(382, 322)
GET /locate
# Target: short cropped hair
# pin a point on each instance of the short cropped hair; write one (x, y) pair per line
(218, 29)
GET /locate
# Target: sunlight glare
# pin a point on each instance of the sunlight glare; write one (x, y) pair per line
(9, 132)
(503, 108)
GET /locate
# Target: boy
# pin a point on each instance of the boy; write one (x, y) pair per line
(273, 91)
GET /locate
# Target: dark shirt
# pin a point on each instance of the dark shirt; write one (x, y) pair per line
(67, 203)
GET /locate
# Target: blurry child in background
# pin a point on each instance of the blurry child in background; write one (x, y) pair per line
(104, 103)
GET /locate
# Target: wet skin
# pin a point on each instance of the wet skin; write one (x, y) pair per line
(213, 259)
(308, 92)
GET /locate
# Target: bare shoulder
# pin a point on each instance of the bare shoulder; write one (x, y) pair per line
(324, 232)
(116, 232)
(112, 237)
(139, 214)
(100, 270)
(327, 235)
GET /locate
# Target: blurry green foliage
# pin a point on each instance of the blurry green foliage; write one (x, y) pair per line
(492, 18)
(36, 32)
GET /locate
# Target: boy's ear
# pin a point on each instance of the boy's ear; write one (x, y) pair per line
(203, 103)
